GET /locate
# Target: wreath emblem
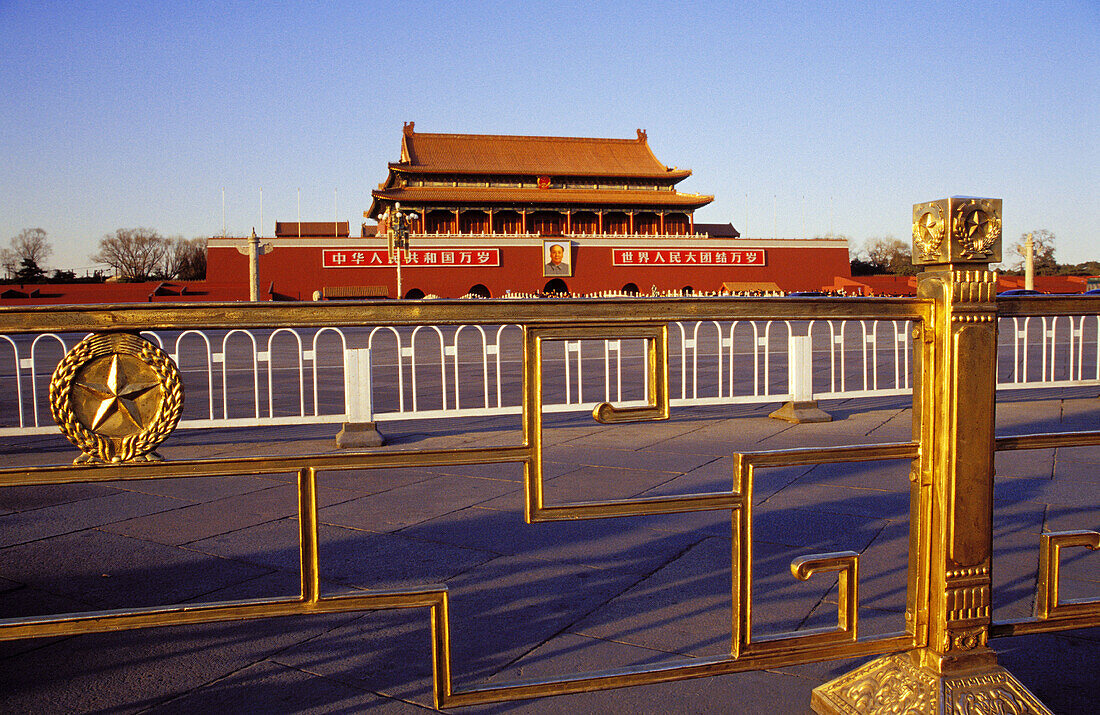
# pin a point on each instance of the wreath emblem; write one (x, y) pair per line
(977, 228)
(116, 397)
(928, 231)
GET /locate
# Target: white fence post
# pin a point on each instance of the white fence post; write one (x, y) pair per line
(802, 406)
(800, 374)
(360, 430)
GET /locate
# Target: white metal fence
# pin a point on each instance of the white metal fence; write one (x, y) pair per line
(242, 377)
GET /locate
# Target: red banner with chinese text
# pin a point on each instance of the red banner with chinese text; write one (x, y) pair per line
(688, 257)
(430, 257)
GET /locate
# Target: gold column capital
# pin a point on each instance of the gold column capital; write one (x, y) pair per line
(959, 229)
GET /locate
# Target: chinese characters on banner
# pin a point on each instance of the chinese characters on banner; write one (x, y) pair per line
(432, 257)
(688, 257)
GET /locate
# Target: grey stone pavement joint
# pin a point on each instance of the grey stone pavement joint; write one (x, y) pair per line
(527, 601)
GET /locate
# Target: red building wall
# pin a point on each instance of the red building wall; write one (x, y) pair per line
(295, 268)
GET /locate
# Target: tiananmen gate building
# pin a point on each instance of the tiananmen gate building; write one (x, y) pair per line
(525, 214)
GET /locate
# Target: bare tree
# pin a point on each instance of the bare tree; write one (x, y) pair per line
(31, 243)
(28, 250)
(889, 255)
(135, 253)
(184, 259)
(8, 262)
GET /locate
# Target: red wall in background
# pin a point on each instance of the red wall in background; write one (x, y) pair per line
(297, 271)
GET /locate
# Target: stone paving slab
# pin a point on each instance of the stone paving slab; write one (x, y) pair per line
(270, 687)
(132, 671)
(545, 599)
(749, 693)
(20, 527)
(102, 570)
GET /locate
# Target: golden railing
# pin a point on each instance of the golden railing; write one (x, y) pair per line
(940, 660)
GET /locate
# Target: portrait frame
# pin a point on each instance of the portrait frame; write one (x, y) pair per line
(550, 269)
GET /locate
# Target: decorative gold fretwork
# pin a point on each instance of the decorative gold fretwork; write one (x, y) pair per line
(1047, 602)
(116, 396)
(846, 563)
(656, 337)
(1052, 613)
(773, 651)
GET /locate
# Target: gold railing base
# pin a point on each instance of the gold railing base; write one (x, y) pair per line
(895, 684)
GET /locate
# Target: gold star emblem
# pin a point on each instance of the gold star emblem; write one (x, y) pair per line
(928, 232)
(118, 397)
(977, 229)
(928, 226)
(974, 223)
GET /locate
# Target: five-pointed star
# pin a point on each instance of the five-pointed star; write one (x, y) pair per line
(117, 396)
(927, 226)
(975, 221)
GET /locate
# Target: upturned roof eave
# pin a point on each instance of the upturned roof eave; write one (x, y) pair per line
(402, 168)
(551, 197)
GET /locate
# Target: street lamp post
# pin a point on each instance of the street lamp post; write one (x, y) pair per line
(398, 233)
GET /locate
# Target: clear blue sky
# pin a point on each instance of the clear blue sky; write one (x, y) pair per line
(800, 118)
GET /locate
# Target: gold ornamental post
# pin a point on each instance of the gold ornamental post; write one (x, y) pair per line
(951, 542)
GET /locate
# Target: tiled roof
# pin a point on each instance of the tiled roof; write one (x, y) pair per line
(717, 230)
(611, 198)
(534, 156)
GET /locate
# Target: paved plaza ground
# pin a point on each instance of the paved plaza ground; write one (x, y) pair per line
(526, 600)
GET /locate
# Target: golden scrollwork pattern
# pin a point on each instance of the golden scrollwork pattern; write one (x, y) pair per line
(116, 397)
(895, 685)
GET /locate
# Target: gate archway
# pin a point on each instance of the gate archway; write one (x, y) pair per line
(555, 286)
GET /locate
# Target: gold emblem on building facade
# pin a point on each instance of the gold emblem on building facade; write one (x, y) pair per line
(116, 397)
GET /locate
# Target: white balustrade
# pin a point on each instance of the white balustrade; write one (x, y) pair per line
(388, 373)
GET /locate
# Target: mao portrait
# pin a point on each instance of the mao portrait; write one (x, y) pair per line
(557, 259)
